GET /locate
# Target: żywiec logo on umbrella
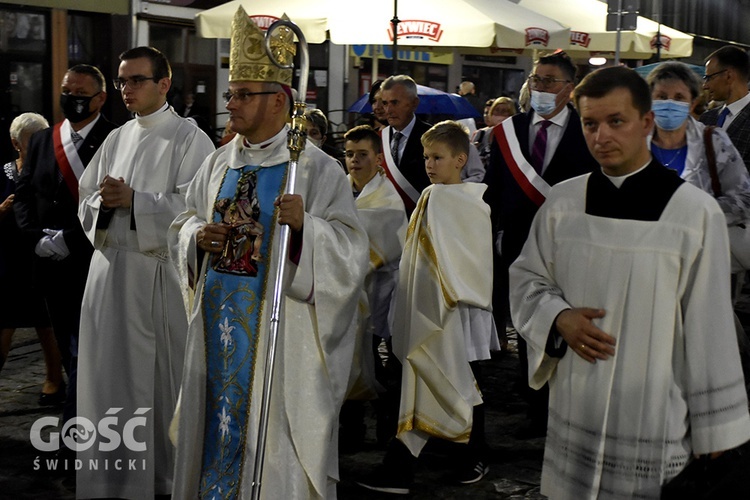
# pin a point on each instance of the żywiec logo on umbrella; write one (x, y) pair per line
(580, 38)
(415, 28)
(665, 41)
(537, 36)
(263, 21)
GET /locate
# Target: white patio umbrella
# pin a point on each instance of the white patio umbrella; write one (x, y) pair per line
(448, 23)
(309, 16)
(588, 20)
(434, 23)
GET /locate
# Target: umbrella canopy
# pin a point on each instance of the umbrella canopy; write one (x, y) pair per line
(588, 20)
(437, 23)
(431, 102)
(449, 23)
(645, 70)
(309, 16)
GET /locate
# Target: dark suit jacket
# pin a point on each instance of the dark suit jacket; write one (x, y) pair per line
(411, 163)
(43, 200)
(512, 210)
(738, 131)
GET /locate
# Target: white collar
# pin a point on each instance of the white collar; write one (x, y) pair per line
(85, 130)
(618, 180)
(268, 153)
(559, 119)
(737, 106)
(407, 130)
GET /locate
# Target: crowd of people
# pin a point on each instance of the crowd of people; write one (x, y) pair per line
(604, 222)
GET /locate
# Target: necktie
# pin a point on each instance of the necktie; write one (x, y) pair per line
(539, 147)
(395, 139)
(722, 117)
(77, 138)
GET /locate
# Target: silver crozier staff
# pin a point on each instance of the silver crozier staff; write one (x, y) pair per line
(295, 144)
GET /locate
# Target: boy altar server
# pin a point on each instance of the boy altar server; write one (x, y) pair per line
(382, 213)
(443, 307)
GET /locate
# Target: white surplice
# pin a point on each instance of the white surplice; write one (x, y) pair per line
(622, 427)
(442, 315)
(382, 213)
(315, 344)
(133, 324)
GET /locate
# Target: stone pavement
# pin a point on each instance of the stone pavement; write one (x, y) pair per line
(515, 465)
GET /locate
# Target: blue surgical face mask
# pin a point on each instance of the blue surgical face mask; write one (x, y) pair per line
(544, 103)
(670, 114)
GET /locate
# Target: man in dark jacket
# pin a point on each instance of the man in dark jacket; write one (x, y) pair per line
(46, 208)
(531, 152)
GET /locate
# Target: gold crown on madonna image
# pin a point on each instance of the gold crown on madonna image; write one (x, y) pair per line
(248, 60)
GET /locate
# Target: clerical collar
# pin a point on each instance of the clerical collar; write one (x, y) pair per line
(618, 180)
(163, 108)
(263, 145)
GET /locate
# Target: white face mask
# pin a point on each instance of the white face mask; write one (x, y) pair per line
(315, 142)
(544, 103)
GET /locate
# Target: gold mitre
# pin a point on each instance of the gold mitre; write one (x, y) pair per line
(248, 60)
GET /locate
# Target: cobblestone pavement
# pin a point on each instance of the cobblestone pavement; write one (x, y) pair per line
(515, 465)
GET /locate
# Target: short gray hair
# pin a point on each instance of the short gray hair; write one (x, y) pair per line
(277, 87)
(404, 80)
(27, 124)
(675, 70)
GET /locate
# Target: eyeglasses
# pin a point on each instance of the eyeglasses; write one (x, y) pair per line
(134, 82)
(546, 82)
(243, 95)
(707, 78)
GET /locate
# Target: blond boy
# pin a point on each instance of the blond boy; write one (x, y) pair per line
(442, 315)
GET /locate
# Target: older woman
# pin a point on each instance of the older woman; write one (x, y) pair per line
(20, 305)
(379, 120)
(500, 109)
(678, 141)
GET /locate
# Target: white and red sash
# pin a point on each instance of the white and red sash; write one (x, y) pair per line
(531, 183)
(408, 193)
(66, 154)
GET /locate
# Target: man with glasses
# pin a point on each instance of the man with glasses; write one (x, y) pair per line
(133, 323)
(46, 207)
(226, 246)
(727, 73)
(531, 152)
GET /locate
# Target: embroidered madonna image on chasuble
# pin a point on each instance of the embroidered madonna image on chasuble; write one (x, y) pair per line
(232, 299)
(242, 213)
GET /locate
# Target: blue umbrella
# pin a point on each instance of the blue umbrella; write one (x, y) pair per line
(431, 102)
(648, 68)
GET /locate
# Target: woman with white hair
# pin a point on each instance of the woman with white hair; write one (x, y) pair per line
(20, 304)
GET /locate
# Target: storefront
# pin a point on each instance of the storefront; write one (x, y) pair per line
(40, 39)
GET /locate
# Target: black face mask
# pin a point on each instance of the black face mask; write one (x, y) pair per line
(76, 107)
